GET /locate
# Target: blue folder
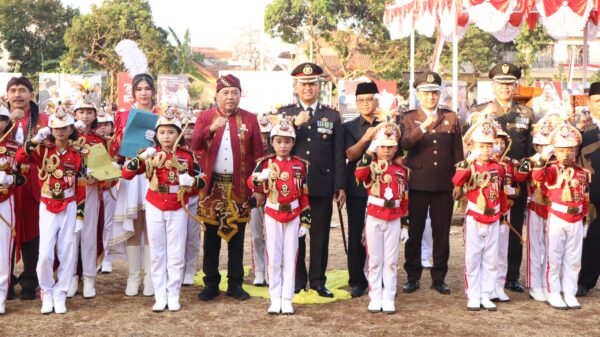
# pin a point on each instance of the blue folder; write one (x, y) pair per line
(134, 137)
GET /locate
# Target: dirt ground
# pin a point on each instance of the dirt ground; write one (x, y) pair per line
(423, 313)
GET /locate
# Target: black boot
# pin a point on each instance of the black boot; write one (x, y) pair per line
(237, 292)
(209, 292)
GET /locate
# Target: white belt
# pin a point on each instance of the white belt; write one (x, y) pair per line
(66, 194)
(574, 210)
(487, 211)
(283, 207)
(383, 202)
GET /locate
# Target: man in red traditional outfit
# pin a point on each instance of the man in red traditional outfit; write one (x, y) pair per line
(28, 120)
(231, 141)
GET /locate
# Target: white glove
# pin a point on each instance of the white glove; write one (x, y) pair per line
(404, 235)
(536, 157)
(149, 135)
(510, 191)
(548, 151)
(373, 146)
(585, 229)
(496, 149)
(116, 165)
(302, 232)
(264, 174)
(473, 155)
(79, 125)
(3, 161)
(42, 134)
(88, 171)
(78, 226)
(6, 179)
(148, 153)
(186, 180)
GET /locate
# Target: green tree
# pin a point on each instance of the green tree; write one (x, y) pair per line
(92, 38)
(345, 25)
(32, 32)
(186, 60)
(595, 77)
(529, 44)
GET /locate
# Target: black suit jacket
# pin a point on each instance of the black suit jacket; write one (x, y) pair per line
(321, 143)
(590, 155)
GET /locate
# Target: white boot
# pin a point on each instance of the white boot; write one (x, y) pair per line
(159, 305)
(60, 306)
(286, 307)
(487, 304)
(73, 286)
(259, 278)
(275, 307)
(173, 303)
(106, 267)
(556, 301)
(502, 297)
(572, 302)
(537, 294)
(474, 305)
(188, 279)
(89, 288)
(148, 286)
(47, 304)
(133, 263)
(388, 307)
(374, 306)
(2, 308)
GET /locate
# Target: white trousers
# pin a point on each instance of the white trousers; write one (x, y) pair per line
(110, 203)
(536, 250)
(257, 233)
(481, 254)
(502, 264)
(6, 242)
(282, 251)
(563, 247)
(87, 238)
(167, 232)
(192, 243)
(382, 238)
(57, 230)
(427, 241)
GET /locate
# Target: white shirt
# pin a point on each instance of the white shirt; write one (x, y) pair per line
(224, 160)
(428, 114)
(313, 106)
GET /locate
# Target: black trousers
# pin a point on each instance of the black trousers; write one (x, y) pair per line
(357, 253)
(29, 254)
(321, 209)
(590, 263)
(440, 205)
(235, 257)
(515, 247)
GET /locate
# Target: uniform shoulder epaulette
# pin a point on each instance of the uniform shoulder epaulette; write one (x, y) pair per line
(588, 173)
(267, 157)
(407, 169)
(480, 106)
(287, 106)
(410, 111)
(328, 107)
(186, 150)
(304, 161)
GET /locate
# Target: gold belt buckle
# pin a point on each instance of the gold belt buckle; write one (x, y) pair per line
(285, 207)
(572, 210)
(489, 211)
(163, 189)
(389, 203)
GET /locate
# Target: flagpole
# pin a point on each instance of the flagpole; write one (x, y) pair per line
(454, 58)
(411, 92)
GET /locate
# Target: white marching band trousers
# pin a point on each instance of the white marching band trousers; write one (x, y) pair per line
(563, 248)
(536, 250)
(282, 251)
(6, 242)
(382, 239)
(481, 254)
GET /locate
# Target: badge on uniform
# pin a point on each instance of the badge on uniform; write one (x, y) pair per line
(521, 122)
(325, 127)
(242, 129)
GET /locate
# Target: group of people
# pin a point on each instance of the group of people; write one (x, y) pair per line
(282, 173)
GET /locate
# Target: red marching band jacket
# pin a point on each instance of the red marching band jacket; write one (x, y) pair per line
(8, 150)
(285, 189)
(61, 176)
(484, 182)
(164, 177)
(387, 184)
(568, 189)
(537, 191)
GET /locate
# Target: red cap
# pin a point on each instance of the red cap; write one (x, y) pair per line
(228, 81)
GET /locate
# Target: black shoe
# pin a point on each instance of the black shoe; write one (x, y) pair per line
(581, 291)
(27, 294)
(411, 286)
(11, 295)
(298, 289)
(324, 292)
(514, 286)
(357, 291)
(441, 287)
(237, 292)
(208, 293)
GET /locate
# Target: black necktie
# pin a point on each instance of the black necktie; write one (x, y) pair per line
(310, 112)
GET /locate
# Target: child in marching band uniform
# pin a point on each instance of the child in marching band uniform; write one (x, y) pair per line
(170, 171)
(282, 178)
(484, 179)
(387, 214)
(86, 121)
(8, 179)
(501, 143)
(537, 213)
(567, 185)
(61, 175)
